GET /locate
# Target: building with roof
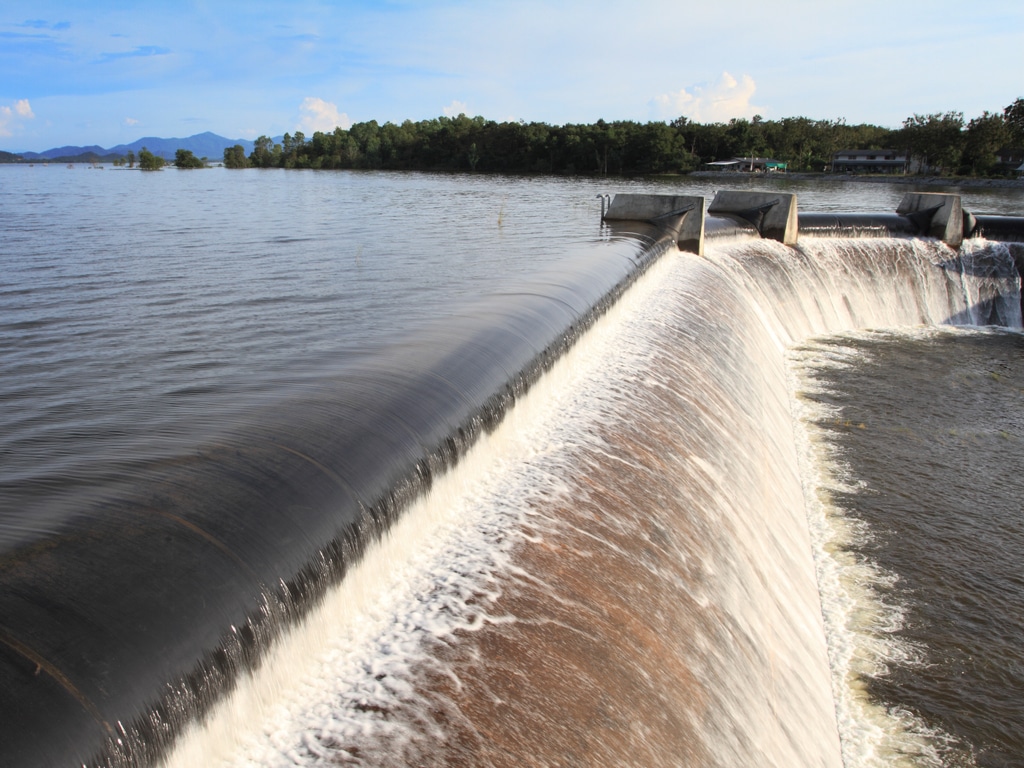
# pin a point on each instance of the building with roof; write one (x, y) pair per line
(870, 161)
(1009, 160)
(748, 165)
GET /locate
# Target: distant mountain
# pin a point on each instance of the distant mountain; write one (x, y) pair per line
(51, 154)
(208, 145)
(85, 157)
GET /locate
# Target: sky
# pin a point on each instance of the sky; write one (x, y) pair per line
(107, 72)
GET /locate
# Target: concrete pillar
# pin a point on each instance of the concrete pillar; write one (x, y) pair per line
(682, 215)
(936, 214)
(773, 213)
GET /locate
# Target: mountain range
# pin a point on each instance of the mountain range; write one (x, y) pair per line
(208, 145)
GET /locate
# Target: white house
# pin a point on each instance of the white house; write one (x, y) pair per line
(870, 161)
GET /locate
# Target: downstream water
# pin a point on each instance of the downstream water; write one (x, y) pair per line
(220, 384)
(928, 489)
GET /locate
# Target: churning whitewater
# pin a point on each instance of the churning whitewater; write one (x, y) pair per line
(916, 434)
(622, 576)
(627, 570)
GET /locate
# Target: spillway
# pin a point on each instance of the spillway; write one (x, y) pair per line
(571, 529)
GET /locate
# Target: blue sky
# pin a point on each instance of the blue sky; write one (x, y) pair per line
(112, 71)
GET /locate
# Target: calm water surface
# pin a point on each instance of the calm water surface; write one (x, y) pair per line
(139, 312)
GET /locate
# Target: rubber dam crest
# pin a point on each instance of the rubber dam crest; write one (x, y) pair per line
(566, 524)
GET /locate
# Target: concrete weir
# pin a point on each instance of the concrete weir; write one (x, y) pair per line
(774, 216)
(681, 215)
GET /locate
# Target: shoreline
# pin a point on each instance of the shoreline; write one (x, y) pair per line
(930, 181)
(965, 182)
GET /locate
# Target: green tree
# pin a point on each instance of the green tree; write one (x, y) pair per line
(130, 157)
(234, 157)
(321, 147)
(367, 139)
(984, 136)
(1014, 117)
(294, 152)
(939, 142)
(262, 153)
(935, 140)
(185, 158)
(150, 162)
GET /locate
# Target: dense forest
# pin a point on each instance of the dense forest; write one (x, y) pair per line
(941, 143)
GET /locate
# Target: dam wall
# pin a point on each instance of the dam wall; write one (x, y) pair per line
(159, 591)
(752, 215)
(657, 599)
(774, 215)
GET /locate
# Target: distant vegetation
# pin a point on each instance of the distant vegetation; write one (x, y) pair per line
(128, 159)
(234, 157)
(150, 162)
(82, 157)
(185, 158)
(941, 143)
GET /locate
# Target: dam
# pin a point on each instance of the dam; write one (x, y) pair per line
(569, 523)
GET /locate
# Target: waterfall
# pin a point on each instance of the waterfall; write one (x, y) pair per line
(627, 570)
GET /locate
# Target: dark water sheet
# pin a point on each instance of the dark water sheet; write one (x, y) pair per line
(934, 428)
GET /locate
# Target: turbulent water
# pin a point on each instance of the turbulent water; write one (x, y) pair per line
(618, 601)
(645, 552)
(924, 495)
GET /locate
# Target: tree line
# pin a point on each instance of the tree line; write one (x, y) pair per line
(183, 158)
(941, 143)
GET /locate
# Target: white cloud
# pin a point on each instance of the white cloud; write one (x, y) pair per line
(721, 101)
(455, 109)
(130, 121)
(320, 115)
(11, 116)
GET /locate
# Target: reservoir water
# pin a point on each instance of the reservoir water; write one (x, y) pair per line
(360, 440)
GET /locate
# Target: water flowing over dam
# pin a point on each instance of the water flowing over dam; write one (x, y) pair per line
(567, 524)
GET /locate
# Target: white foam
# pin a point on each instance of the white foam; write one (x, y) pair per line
(330, 680)
(336, 679)
(859, 622)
